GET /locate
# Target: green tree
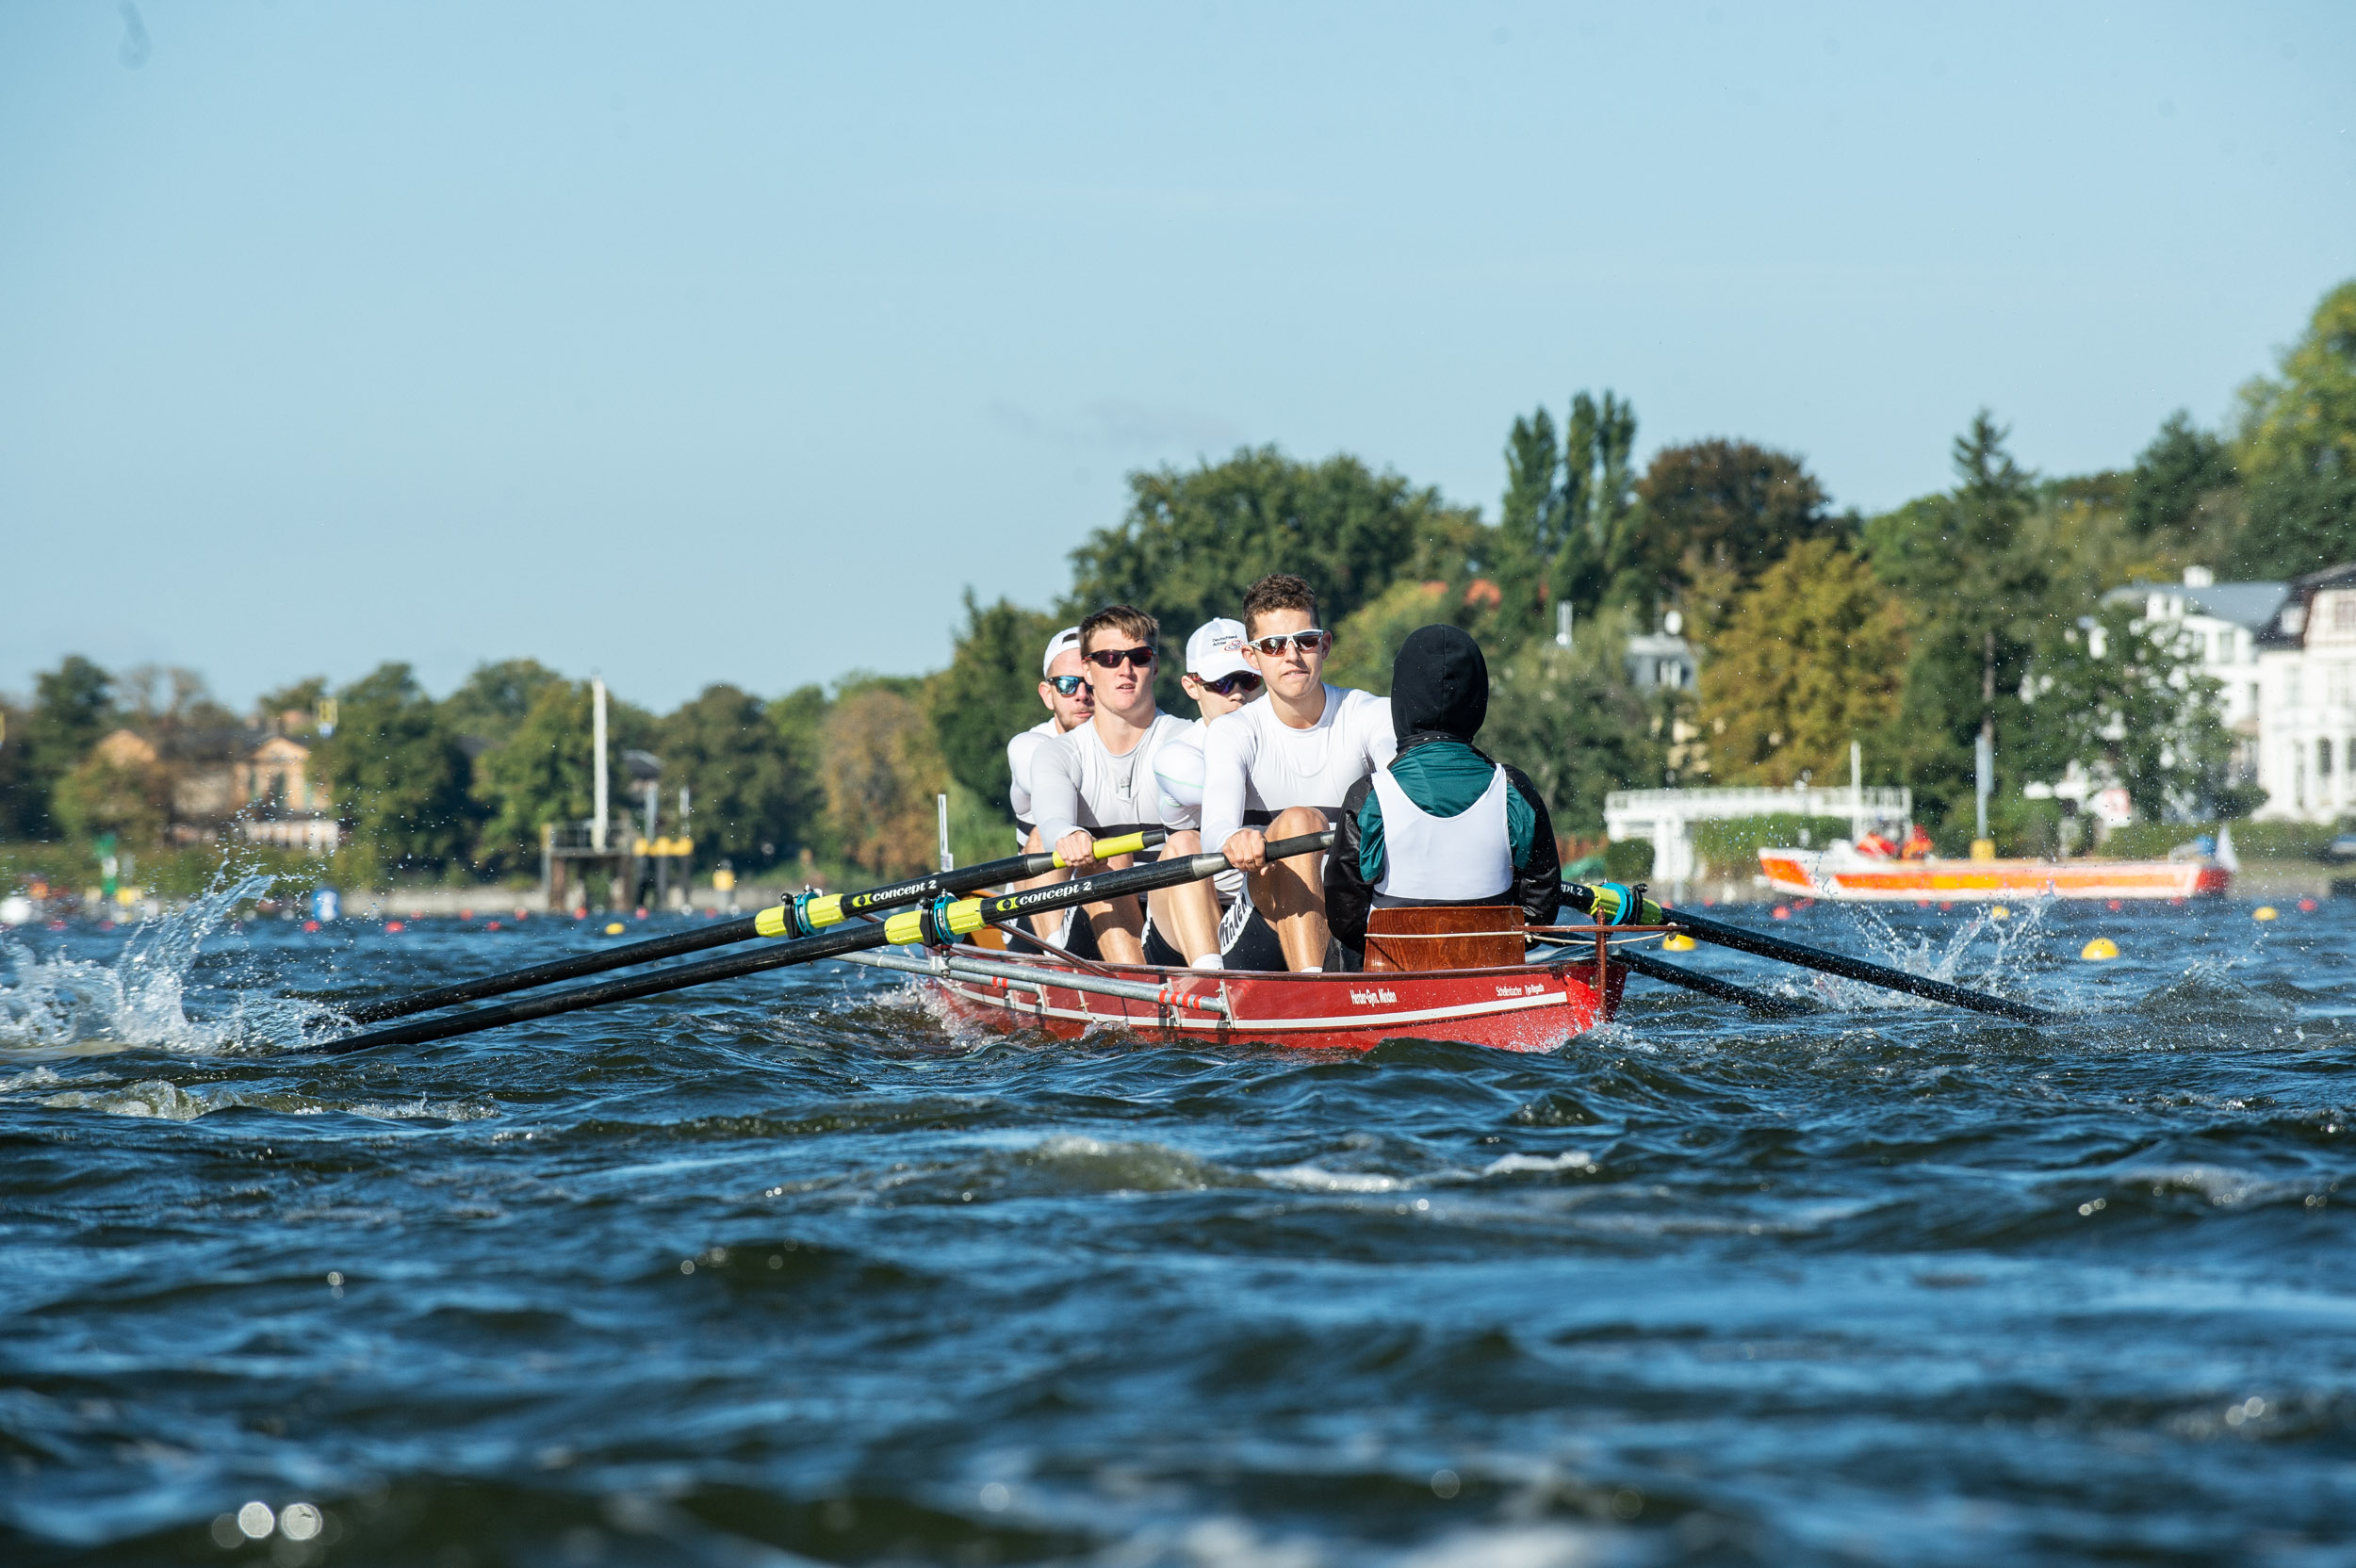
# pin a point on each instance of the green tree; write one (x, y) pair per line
(544, 771)
(1193, 541)
(2296, 448)
(100, 796)
(295, 707)
(1529, 528)
(1567, 718)
(171, 705)
(1977, 581)
(399, 776)
(1728, 505)
(883, 767)
(989, 692)
(492, 702)
(2181, 468)
(1365, 645)
(742, 776)
(1601, 556)
(2126, 700)
(1811, 659)
(799, 718)
(74, 707)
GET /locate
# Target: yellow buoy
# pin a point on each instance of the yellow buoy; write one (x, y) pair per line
(2101, 947)
(1676, 941)
(616, 929)
(2263, 911)
(2000, 912)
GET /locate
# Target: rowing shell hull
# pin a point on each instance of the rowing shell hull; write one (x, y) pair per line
(1812, 873)
(1524, 1007)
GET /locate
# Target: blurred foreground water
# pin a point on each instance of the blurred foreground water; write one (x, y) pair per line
(790, 1272)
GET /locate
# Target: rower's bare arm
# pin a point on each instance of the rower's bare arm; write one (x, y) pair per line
(1246, 850)
(1077, 848)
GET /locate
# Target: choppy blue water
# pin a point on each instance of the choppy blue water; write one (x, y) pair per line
(794, 1273)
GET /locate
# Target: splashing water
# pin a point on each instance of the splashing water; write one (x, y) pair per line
(2015, 947)
(141, 998)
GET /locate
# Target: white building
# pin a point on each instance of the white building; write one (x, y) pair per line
(2223, 623)
(2307, 699)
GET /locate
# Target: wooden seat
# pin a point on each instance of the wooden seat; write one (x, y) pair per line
(1451, 936)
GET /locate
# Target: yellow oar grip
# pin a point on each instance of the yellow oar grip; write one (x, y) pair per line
(907, 928)
(1128, 843)
(772, 922)
(824, 911)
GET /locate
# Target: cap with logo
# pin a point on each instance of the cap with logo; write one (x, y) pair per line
(1215, 649)
(1068, 638)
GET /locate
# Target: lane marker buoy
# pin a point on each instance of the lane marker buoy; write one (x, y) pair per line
(2000, 912)
(616, 929)
(2099, 948)
(1676, 941)
(2263, 911)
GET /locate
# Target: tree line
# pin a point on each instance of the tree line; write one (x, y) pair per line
(1906, 631)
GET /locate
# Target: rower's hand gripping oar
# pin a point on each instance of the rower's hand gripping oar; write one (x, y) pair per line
(938, 924)
(1611, 903)
(804, 915)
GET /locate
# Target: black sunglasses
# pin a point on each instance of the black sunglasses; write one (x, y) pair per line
(1307, 642)
(1228, 685)
(1110, 659)
(1069, 685)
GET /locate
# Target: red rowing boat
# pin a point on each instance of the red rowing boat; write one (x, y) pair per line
(1511, 1005)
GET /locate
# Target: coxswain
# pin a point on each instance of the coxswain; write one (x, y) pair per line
(1096, 780)
(1917, 844)
(1282, 767)
(1442, 822)
(1064, 692)
(1875, 847)
(1219, 683)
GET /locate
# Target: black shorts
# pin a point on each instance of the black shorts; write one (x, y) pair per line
(1246, 941)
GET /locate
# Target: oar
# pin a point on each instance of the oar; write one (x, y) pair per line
(1710, 985)
(1613, 904)
(804, 915)
(940, 922)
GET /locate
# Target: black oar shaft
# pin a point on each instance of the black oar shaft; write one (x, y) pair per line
(721, 935)
(1863, 971)
(1710, 985)
(927, 926)
(744, 928)
(842, 938)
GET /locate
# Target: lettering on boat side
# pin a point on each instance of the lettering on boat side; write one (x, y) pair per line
(1535, 987)
(1374, 999)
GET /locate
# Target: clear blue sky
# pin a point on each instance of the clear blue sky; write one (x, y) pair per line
(702, 342)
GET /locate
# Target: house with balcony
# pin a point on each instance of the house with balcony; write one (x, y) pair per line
(2307, 699)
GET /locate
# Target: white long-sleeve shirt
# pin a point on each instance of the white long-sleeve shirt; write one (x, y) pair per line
(1076, 782)
(1254, 765)
(1178, 770)
(1021, 752)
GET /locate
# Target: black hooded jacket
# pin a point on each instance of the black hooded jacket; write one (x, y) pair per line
(1439, 698)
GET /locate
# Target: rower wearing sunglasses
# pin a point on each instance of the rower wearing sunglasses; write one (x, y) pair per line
(1234, 934)
(1096, 780)
(1282, 767)
(1065, 693)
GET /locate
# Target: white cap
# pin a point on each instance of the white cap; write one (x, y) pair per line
(1068, 638)
(1215, 649)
